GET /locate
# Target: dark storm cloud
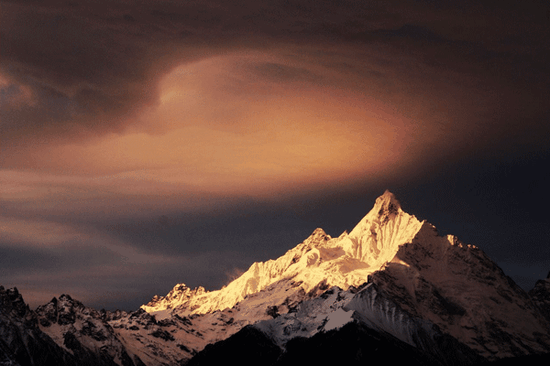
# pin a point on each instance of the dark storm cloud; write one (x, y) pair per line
(91, 66)
(63, 257)
(109, 264)
(174, 225)
(180, 233)
(88, 65)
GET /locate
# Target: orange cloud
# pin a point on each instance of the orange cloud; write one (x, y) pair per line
(220, 127)
(259, 123)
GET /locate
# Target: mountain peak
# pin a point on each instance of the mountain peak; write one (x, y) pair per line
(387, 203)
(317, 237)
(318, 231)
(343, 261)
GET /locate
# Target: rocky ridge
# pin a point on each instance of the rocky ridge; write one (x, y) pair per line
(541, 296)
(391, 280)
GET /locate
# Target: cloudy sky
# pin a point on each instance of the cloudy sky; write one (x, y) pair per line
(144, 144)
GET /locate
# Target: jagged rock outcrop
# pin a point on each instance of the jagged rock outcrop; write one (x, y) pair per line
(180, 295)
(21, 340)
(83, 332)
(540, 295)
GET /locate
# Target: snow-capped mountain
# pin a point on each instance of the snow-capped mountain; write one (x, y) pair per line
(21, 340)
(427, 277)
(83, 332)
(343, 262)
(391, 284)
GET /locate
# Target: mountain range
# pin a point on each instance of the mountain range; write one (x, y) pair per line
(392, 289)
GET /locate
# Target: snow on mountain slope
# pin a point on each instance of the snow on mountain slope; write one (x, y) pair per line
(21, 341)
(127, 339)
(432, 279)
(458, 288)
(276, 287)
(83, 332)
(343, 262)
(367, 307)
